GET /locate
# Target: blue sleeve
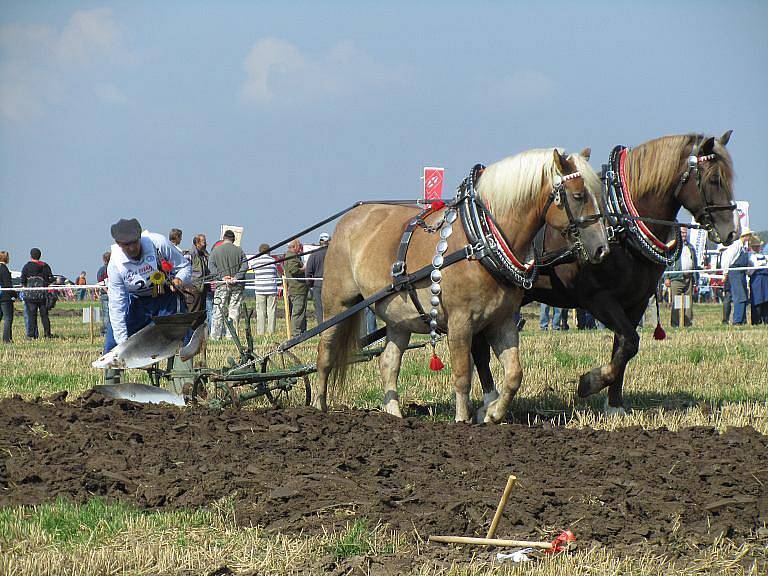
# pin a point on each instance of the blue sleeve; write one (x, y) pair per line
(118, 304)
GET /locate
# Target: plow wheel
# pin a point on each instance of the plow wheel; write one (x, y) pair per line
(278, 390)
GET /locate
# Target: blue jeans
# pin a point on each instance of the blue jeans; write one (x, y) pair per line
(104, 301)
(209, 308)
(544, 317)
(141, 310)
(739, 312)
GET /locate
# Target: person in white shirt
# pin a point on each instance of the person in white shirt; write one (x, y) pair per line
(145, 275)
(265, 283)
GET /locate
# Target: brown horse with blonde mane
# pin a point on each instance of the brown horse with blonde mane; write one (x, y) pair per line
(651, 181)
(519, 194)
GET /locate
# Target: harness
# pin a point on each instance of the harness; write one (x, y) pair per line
(625, 221)
(486, 243)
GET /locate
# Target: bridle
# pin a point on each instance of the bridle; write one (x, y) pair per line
(704, 215)
(559, 197)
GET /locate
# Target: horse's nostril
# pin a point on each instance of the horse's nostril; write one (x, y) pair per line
(602, 252)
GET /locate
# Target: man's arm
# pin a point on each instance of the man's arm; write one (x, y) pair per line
(182, 269)
(118, 304)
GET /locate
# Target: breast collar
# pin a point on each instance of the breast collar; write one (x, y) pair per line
(619, 199)
(492, 247)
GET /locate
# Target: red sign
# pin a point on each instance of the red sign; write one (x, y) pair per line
(433, 182)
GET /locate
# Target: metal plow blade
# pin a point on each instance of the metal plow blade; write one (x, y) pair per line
(160, 340)
(140, 393)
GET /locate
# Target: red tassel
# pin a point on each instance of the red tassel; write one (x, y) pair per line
(166, 266)
(435, 364)
(438, 205)
(659, 333)
(560, 543)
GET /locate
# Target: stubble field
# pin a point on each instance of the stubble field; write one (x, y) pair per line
(676, 486)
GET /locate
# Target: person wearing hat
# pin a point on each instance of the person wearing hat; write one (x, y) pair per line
(145, 275)
(314, 274)
(737, 256)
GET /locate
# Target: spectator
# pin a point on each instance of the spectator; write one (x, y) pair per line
(81, 281)
(196, 293)
(297, 287)
(228, 263)
(6, 298)
(144, 276)
(758, 283)
(36, 274)
(737, 256)
(174, 236)
(315, 264)
(544, 319)
(265, 284)
(681, 279)
(101, 278)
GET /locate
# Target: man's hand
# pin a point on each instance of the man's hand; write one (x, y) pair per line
(667, 282)
(228, 279)
(176, 284)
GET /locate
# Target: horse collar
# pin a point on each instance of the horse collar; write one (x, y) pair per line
(619, 198)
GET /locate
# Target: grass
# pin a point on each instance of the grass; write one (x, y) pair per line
(708, 375)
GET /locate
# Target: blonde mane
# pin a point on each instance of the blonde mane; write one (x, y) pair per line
(662, 161)
(515, 180)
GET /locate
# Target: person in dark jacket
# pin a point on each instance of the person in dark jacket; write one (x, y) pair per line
(36, 274)
(314, 273)
(6, 297)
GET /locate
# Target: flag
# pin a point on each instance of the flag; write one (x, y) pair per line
(433, 182)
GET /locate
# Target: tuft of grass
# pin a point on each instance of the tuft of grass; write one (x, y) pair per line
(355, 540)
(696, 355)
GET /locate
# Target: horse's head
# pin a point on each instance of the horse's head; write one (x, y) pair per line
(572, 206)
(707, 189)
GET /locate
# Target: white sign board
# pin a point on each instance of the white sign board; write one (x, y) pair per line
(682, 301)
(742, 208)
(87, 314)
(238, 230)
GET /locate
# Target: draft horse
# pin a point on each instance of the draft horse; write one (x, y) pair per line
(651, 181)
(512, 200)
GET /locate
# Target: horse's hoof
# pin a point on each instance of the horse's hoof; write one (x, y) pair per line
(393, 407)
(590, 383)
(320, 404)
(479, 417)
(492, 414)
(614, 410)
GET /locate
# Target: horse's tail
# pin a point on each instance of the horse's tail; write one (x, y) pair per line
(347, 345)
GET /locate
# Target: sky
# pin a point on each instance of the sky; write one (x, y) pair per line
(274, 115)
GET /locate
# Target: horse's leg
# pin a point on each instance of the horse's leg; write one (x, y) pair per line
(324, 365)
(481, 356)
(505, 341)
(626, 343)
(623, 356)
(389, 364)
(460, 346)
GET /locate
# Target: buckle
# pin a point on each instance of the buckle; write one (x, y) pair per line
(398, 268)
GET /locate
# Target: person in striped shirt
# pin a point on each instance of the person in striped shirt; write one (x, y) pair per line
(265, 285)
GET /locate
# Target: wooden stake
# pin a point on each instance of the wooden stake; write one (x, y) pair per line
(500, 508)
(90, 317)
(490, 542)
(287, 308)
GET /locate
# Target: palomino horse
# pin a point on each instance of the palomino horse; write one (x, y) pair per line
(521, 193)
(659, 176)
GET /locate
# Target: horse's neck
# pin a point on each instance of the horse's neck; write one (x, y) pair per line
(660, 205)
(520, 231)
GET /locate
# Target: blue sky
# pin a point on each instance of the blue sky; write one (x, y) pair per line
(273, 115)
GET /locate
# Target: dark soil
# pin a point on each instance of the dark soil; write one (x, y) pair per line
(299, 470)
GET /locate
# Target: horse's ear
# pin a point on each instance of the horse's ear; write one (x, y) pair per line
(707, 147)
(561, 163)
(726, 137)
(586, 153)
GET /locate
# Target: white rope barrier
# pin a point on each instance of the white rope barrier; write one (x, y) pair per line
(65, 287)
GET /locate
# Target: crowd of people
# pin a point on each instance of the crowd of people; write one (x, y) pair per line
(145, 274)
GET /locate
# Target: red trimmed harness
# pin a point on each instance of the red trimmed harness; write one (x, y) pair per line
(650, 236)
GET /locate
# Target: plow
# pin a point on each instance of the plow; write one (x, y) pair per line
(179, 338)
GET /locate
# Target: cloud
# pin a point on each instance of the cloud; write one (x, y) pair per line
(278, 71)
(38, 61)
